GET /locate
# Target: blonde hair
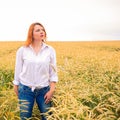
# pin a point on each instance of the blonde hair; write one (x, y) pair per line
(30, 33)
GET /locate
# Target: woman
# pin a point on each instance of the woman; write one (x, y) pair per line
(35, 73)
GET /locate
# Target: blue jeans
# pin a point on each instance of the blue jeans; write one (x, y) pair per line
(27, 98)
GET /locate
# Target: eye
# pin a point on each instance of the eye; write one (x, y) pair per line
(42, 30)
(38, 30)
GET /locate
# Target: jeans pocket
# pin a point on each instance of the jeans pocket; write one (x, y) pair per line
(45, 89)
(24, 89)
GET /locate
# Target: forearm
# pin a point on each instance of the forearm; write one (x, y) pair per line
(16, 89)
(52, 86)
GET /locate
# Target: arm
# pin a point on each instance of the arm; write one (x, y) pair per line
(18, 69)
(52, 86)
(53, 77)
(16, 89)
(49, 94)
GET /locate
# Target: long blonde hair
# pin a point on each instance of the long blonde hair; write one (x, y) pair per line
(30, 33)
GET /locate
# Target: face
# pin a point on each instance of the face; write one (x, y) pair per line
(38, 33)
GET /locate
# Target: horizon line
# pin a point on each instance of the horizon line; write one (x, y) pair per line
(64, 40)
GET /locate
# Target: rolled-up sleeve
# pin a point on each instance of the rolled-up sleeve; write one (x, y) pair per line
(53, 67)
(18, 66)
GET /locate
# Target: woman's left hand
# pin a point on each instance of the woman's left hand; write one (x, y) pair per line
(48, 97)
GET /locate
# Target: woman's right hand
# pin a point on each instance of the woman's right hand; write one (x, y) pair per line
(16, 89)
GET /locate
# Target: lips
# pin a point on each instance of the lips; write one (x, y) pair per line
(41, 35)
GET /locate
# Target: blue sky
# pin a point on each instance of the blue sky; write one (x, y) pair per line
(64, 20)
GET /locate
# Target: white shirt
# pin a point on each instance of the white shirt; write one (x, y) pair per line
(35, 70)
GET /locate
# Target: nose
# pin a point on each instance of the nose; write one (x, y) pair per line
(41, 32)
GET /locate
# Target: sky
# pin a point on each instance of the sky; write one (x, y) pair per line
(64, 20)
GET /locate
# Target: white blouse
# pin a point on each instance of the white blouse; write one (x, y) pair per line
(35, 70)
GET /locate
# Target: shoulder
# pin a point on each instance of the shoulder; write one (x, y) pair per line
(50, 47)
(52, 51)
(21, 49)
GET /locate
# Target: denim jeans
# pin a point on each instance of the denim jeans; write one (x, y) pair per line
(27, 98)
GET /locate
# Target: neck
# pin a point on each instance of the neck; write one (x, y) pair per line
(37, 43)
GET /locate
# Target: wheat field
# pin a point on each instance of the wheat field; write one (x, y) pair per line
(88, 87)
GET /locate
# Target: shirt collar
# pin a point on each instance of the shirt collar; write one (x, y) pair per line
(44, 45)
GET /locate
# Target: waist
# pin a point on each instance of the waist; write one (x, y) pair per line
(37, 87)
(34, 87)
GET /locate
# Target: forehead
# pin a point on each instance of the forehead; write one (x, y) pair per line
(38, 27)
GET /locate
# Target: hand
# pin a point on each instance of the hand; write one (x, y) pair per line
(48, 97)
(16, 89)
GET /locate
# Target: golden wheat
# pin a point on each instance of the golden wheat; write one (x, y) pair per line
(88, 87)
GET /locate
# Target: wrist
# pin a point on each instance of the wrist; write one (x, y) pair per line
(52, 87)
(52, 90)
(16, 86)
